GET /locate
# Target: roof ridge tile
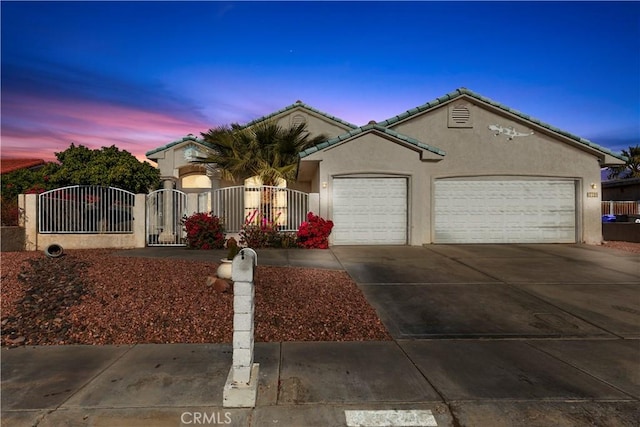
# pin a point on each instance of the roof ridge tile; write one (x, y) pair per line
(299, 104)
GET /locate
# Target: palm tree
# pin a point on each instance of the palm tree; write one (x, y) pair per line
(631, 169)
(266, 150)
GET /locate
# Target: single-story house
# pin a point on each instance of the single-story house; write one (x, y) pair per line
(459, 169)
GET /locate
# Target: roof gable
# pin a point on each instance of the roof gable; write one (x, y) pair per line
(373, 127)
(464, 92)
(297, 105)
(300, 104)
(188, 138)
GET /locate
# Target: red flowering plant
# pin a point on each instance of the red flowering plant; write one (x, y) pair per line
(259, 232)
(314, 232)
(204, 231)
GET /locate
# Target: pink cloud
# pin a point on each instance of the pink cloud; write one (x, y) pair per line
(35, 127)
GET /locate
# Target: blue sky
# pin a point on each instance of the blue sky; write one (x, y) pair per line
(142, 74)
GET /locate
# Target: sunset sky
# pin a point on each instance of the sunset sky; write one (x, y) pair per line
(142, 74)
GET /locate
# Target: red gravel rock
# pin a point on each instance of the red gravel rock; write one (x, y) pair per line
(92, 297)
(624, 246)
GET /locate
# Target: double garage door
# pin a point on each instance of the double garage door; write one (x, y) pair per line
(373, 211)
(505, 211)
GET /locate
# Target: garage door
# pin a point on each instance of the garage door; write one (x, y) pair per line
(505, 211)
(369, 211)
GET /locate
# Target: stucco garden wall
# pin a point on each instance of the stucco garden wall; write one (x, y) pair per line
(39, 241)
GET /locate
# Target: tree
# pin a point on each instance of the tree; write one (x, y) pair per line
(266, 150)
(108, 166)
(631, 169)
(78, 165)
(23, 181)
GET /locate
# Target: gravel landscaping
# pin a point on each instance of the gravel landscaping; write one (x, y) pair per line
(92, 297)
(624, 246)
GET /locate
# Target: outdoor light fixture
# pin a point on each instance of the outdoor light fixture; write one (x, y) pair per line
(324, 185)
(594, 186)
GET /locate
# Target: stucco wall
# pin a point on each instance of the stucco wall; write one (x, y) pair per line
(375, 155)
(316, 124)
(478, 151)
(470, 152)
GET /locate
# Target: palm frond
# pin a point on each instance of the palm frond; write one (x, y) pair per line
(265, 149)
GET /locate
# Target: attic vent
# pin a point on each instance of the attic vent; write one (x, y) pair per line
(460, 116)
(298, 120)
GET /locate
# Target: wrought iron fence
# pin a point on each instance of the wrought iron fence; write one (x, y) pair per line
(617, 207)
(165, 210)
(285, 207)
(86, 209)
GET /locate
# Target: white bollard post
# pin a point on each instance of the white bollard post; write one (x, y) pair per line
(241, 388)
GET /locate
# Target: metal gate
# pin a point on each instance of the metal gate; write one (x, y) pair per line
(165, 209)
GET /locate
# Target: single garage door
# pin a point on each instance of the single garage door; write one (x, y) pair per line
(369, 211)
(505, 211)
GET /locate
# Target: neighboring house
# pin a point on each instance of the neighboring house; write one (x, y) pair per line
(459, 169)
(626, 189)
(10, 165)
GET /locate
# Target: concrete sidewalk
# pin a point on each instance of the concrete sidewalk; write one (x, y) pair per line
(578, 364)
(311, 384)
(172, 385)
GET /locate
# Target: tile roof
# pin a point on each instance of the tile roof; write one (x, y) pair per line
(10, 165)
(300, 104)
(297, 104)
(369, 128)
(464, 91)
(180, 141)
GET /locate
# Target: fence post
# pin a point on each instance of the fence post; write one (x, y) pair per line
(140, 220)
(192, 204)
(241, 388)
(30, 221)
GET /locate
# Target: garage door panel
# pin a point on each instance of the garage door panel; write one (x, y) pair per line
(369, 211)
(494, 211)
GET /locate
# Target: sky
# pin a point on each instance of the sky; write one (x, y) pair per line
(139, 75)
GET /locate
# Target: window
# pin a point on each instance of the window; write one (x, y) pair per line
(196, 181)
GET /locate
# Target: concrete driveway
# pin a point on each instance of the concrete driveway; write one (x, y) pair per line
(513, 334)
(499, 291)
